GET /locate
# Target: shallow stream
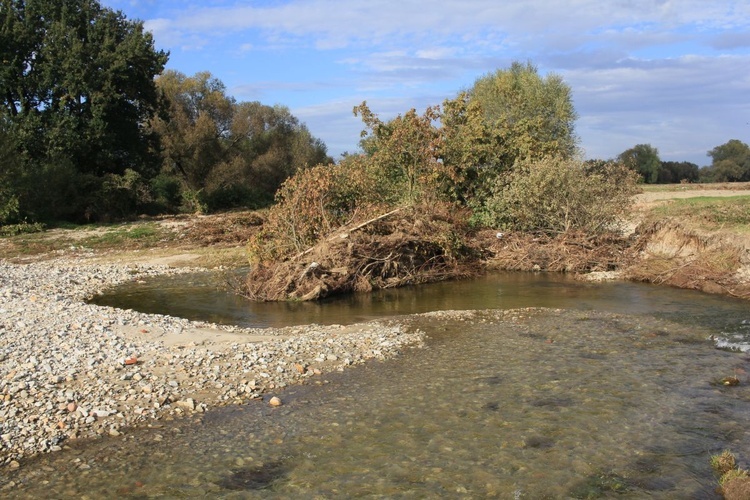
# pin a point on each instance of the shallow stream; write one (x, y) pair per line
(616, 395)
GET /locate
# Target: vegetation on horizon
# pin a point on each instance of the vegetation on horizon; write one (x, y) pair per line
(93, 129)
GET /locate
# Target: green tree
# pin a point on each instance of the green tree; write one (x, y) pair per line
(730, 162)
(470, 150)
(9, 173)
(534, 115)
(197, 117)
(227, 153)
(268, 145)
(644, 159)
(76, 87)
(674, 172)
(403, 151)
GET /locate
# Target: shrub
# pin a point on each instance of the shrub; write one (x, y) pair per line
(311, 204)
(556, 195)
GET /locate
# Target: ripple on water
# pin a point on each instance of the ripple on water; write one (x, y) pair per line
(555, 404)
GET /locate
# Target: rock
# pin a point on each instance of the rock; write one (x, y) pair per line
(74, 361)
(188, 403)
(275, 401)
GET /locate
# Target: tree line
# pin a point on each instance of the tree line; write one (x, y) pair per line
(93, 128)
(730, 162)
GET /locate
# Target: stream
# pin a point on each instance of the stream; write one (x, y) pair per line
(610, 390)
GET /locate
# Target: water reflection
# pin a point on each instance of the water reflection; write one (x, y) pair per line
(201, 297)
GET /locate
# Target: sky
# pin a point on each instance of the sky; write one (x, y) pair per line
(674, 74)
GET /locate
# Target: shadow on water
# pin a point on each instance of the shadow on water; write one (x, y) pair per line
(254, 478)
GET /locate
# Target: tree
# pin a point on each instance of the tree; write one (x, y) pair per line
(730, 162)
(403, 150)
(76, 87)
(471, 151)
(644, 159)
(9, 173)
(226, 153)
(534, 115)
(198, 116)
(674, 172)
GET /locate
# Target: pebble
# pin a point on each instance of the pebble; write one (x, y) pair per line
(275, 401)
(67, 368)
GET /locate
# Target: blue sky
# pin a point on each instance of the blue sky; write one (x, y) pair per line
(671, 73)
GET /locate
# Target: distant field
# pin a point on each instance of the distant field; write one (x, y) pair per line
(722, 186)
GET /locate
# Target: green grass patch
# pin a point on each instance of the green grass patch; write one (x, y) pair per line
(729, 211)
(130, 236)
(146, 235)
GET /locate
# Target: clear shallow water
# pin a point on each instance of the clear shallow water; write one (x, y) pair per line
(560, 404)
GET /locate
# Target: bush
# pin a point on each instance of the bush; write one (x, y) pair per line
(555, 195)
(167, 193)
(311, 204)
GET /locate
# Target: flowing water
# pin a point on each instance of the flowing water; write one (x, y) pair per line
(616, 395)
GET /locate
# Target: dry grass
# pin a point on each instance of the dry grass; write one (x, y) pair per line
(570, 252)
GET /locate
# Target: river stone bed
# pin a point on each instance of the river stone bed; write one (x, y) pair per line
(71, 370)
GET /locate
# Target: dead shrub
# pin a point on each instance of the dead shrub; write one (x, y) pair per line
(403, 247)
(573, 252)
(313, 203)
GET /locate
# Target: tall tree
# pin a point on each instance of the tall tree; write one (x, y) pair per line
(197, 118)
(402, 150)
(730, 162)
(644, 159)
(674, 171)
(227, 153)
(533, 114)
(76, 86)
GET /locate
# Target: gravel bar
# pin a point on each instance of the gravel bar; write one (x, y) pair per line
(71, 370)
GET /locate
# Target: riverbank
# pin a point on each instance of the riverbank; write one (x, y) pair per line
(70, 370)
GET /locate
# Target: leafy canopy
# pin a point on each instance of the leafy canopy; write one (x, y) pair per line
(644, 159)
(533, 114)
(76, 87)
(227, 153)
(730, 162)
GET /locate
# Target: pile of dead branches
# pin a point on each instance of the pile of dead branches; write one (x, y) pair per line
(401, 247)
(572, 252)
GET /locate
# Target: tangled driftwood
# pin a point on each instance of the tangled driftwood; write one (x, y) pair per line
(401, 247)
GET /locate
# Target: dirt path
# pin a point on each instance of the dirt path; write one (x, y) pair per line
(655, 196)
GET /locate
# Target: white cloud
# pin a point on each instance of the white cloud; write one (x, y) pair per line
(666, 72)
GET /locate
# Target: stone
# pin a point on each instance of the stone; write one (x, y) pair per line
(275, 401)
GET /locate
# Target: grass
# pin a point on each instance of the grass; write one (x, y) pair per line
(94, 237)
(650, 188)
(730, 212)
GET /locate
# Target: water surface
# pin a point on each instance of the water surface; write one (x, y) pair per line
(573, 403)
